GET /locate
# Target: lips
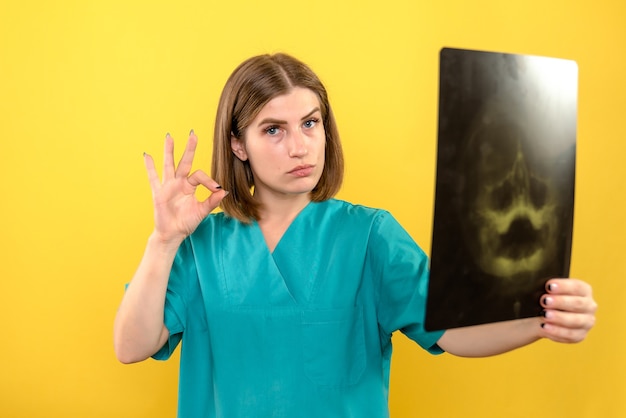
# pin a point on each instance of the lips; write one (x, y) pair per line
(302, 170)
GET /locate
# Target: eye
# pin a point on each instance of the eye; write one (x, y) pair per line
(310, 123)
(272, 130)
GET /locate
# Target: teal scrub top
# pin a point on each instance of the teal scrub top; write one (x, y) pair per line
(303, 331)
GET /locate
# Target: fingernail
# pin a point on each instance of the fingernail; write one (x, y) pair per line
(167, 135)
(144, 153)
(191, 132)
(543, 325)
(218, 187)
(552, 287)
(226, 193)
(547, 300)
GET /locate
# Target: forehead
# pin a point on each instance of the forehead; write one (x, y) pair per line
(296, 103)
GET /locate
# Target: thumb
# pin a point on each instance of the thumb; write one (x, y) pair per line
(213, 201)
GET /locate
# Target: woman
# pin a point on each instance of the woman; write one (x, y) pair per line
(286, 301)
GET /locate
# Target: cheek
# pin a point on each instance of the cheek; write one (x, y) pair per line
(321, 156)
(320, 145)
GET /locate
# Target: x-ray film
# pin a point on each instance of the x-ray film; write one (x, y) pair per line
(504, 199)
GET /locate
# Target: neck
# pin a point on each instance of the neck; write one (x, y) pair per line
(283, 208)
(277, 214)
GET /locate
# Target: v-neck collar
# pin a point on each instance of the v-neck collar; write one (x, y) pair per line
(278, 278)
(293, 254)
(287, 230)
(256, 277)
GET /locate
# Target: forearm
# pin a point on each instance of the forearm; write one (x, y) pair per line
(139, 330)
(491, 339)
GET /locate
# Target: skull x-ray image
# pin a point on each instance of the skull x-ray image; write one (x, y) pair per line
(504, 199)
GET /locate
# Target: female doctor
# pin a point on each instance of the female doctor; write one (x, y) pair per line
(285, 301)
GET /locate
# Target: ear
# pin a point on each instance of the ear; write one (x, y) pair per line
(238, 148)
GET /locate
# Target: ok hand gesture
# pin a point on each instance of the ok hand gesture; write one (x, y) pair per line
(177, 211)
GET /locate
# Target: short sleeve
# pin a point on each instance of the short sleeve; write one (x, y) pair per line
(177, 298)
(402, 268)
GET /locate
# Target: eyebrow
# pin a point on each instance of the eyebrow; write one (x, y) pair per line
(283, 122)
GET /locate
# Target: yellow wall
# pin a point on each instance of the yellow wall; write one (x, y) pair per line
(87, 87)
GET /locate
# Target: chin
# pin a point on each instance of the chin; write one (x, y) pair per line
(305, 185)
(300, 191)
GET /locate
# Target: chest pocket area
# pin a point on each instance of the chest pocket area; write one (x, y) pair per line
(333, 346)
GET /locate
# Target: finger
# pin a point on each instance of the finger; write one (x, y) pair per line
(213, 201)
(563, 334)
(153, 177)
(199, 177)
(568, 287)
(567, 303)
(168, 158)
(184, 166)
(584, 321)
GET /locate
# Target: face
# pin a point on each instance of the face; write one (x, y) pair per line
(285, 145)
(513, 211)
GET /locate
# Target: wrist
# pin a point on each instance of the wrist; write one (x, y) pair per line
(164, 244)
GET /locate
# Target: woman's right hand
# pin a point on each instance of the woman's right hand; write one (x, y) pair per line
(177, 211)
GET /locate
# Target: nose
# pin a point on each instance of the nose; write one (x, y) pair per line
(297, 144)
(520, 171)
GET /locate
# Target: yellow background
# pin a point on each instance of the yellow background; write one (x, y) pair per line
(87, 87)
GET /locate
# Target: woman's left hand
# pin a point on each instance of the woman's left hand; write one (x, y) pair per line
(569, 310)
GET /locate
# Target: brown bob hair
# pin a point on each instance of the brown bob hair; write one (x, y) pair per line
(255, 82)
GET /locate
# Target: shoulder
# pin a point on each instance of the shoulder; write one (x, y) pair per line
(214, 226)
(217, 220)
(337, 207)
(382, 227)
(361, 221)
(215, 233)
